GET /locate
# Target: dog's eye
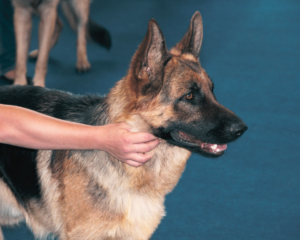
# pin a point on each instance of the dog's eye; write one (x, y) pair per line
(189, 96)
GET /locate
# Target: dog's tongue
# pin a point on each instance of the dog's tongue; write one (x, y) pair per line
(214, 147)
(206, 146)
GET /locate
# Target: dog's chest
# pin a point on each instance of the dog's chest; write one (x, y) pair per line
(142, 214)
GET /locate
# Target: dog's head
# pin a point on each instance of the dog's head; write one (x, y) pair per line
(174, 94)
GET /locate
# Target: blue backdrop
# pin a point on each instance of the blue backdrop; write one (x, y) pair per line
(251, 50)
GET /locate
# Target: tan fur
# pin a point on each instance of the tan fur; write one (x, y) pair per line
(189, 57)
(134, 209)
(9, 206)
(81, 8)
(176, 52)
(22, 25)
(136, 201)
(91, 195)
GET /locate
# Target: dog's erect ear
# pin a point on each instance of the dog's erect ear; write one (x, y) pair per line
(192, 40)
(149, 59)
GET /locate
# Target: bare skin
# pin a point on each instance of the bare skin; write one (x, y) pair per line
(30, 129)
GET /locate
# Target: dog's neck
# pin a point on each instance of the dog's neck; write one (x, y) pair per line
(121, 101)
(160, 174)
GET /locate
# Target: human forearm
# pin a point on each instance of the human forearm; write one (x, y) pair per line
(29, 129)
(26, 128)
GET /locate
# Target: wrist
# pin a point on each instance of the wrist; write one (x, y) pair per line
(100, 138)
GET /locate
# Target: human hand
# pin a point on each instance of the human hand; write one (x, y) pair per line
(129, 147)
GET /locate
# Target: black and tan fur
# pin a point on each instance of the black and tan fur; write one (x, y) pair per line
(77, 13)
(91, 195)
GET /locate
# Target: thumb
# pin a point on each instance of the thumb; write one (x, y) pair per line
(125, 125)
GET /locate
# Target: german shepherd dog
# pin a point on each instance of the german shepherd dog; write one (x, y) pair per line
(76, 12)
(90, 194)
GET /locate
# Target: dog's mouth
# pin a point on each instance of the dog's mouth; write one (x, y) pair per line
(192, 142)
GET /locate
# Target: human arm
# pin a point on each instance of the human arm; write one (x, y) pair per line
(30, 129)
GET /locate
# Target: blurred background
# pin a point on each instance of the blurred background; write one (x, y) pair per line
(251, 50)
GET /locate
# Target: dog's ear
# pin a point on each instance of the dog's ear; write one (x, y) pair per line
(149, 59)
(192, 40)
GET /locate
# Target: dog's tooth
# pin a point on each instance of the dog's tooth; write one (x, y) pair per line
(214, 146)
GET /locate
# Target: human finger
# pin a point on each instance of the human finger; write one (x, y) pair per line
(140, 157)
(124, 125)
(141, 137)
(146, 147)
(133, 163)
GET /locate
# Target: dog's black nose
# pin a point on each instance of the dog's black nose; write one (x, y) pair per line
(237, 129)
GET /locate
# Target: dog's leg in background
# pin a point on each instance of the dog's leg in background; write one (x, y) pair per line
(48, 16)
(1, 235)
(77, 14)
(58, 27)
(81, 9)
(69, 13)
(22, 25)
